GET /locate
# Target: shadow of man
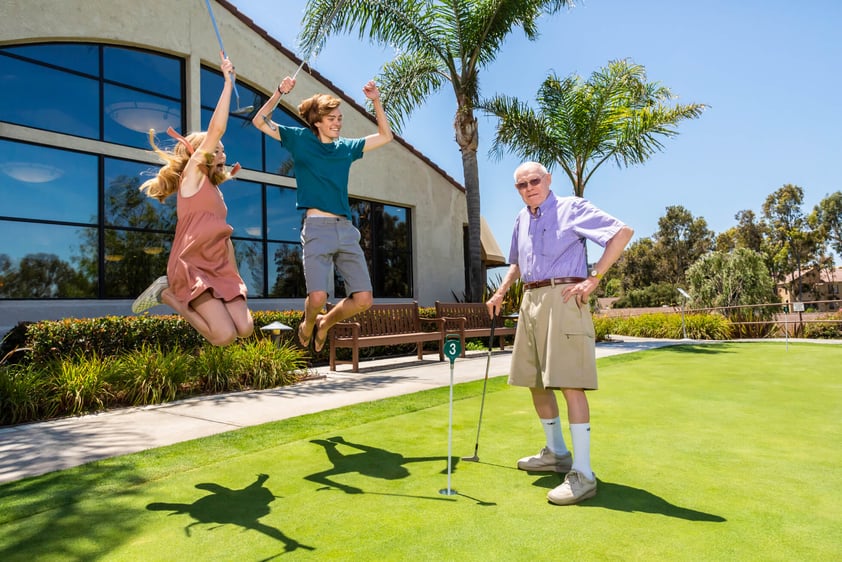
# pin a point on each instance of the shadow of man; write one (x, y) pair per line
(225, 506)
(626, 498)
(370, 461)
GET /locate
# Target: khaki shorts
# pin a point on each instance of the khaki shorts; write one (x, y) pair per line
(554, 342)
(330, 242)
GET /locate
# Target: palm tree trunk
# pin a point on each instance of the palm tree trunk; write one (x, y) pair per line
(467, 138)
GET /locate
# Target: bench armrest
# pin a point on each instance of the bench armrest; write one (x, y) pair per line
(346, 329)
(459, 321)
(439, 322)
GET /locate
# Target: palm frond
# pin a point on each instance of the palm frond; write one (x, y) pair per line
(405, 82)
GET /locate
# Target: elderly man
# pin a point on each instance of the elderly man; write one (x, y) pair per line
(554, 344)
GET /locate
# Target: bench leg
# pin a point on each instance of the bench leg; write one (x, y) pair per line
(332, 357)
(355, 354)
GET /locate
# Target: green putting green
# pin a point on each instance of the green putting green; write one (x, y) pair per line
(703, 452)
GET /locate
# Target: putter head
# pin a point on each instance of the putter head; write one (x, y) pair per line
(471, 459)
(243, 110)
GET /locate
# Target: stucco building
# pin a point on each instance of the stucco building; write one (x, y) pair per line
(81, 83)
(820, 289)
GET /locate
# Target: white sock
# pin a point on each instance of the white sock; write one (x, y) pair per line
(581, 436)
(555, 439)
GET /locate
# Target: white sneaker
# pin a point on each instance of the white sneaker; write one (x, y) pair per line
(575, 488)
(151, 296)
(546, 461)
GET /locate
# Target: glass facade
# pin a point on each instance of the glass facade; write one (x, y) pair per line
(73, 223)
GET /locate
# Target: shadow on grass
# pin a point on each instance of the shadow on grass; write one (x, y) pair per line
(225, 506)
(620, 497)
(702, 349)
(369, 461)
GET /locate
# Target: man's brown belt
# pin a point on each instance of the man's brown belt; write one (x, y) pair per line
(553, 281)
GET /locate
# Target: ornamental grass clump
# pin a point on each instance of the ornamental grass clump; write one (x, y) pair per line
(153, 375)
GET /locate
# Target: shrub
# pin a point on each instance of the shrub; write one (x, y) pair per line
(152, 375)
(826, 329)
(77, 386)
(699, 326)
(22, 393)
(266, 365)
(219, 369)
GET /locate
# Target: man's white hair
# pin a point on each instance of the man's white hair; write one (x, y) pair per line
(530, 165)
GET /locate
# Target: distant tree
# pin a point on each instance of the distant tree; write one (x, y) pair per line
(680, 241)
(40, 276)
(721, 279)
(657, 294)
(827, 216)
(579, 125)
(636, 268)
(748, 233)
(791, 244)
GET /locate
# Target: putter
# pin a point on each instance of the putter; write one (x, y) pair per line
(475, 457)
(239, 110)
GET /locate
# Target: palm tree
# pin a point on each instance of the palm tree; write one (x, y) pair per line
(580, 125)
(438, 42)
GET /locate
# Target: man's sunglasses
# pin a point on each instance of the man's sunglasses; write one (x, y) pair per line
(534, 182)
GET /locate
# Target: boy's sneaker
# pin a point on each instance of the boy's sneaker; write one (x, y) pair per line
(575, 488)
(151, 296)
(546, 461)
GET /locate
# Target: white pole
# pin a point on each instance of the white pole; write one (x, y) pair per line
(450, 491)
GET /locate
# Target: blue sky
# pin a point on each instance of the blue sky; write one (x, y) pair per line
(769, 71)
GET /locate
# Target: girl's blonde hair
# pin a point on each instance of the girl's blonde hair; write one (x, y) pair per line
(168, 178)
(314, 108)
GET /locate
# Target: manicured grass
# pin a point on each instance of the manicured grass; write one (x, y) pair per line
(703, 452)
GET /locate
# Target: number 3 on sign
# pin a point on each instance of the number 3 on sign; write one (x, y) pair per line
(452, 346)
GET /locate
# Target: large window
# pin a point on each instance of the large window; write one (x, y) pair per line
(135, 91)
(73, 223)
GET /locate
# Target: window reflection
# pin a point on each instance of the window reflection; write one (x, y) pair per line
(147, 71)
(126, 205)
(39, 182)
(283, 219)
(79, 57)
(44, 261)
(132, 260)
(250, 263)
(245, 207)
(286, 271)
(386, 240)
(131, 114)
(75, 111)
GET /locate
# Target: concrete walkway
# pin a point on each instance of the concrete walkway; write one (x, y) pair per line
(38, 448)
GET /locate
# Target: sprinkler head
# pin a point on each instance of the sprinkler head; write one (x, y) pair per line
(471, 459)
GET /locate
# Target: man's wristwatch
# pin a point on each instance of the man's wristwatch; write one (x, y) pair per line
(595, 273)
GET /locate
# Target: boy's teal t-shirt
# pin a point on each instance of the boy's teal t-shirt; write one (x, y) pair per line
(321, 169)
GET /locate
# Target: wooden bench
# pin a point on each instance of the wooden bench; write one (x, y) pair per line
(471, 320)
(384, 324)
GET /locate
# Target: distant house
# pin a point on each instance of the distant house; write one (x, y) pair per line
(820, 286)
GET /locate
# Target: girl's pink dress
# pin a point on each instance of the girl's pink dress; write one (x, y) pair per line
(200, 259)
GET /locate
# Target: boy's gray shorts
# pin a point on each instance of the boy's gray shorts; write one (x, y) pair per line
(329, 242)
